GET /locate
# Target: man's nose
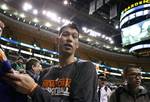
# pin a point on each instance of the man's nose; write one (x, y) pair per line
(70, 38)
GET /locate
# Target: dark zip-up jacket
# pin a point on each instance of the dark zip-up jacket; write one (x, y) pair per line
(123, 94)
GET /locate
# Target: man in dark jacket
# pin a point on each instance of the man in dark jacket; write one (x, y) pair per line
(133, 91)
(70, 81)
(34, 68)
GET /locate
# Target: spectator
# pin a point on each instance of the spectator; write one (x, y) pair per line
(133, 91)
(19, 64)
(103, 90)
(34, 68)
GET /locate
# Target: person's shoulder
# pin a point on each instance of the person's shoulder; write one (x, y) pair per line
(86, 65)
(85, 62)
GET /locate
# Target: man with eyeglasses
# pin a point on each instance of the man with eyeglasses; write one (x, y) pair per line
(133, 91)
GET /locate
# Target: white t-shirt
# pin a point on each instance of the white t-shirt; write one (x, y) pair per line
(105, 94)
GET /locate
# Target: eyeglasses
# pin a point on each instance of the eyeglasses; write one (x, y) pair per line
(135, 75)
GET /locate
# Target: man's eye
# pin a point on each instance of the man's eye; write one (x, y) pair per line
(65, 33)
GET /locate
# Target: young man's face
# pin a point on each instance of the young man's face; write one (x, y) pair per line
(68, 41)
(1, 30)
(133, 77)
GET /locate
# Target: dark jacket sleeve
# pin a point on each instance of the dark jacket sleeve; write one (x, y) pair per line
(84, 85)
(113, 97)
(41, 95)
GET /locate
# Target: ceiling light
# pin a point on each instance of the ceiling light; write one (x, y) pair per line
(115, 48)
(24, 20)
(27, 6)
(44, 12)
(22, 15)
(58, 28)
(35, 11)
(116, 26)
(80, 36)
(47, 24)
(65, 2)
(123, 50)
(35, 20)
(103, 36)
(88, 39)
(4, 7)
(112, 42)
(15, 13)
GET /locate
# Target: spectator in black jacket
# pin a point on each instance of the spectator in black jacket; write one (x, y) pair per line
(133, 91)
(33, 68)
(70, 81)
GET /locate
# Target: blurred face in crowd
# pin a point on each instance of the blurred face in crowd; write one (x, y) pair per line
(102, 82)
(21, 61)
(37, 68)
(68, 41)
(133, 77)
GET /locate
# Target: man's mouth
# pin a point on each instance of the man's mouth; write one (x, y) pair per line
(67, 45)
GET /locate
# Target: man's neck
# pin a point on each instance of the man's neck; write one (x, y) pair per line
(133, 90)
(66, 60)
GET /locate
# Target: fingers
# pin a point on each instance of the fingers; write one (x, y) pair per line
(13, 76)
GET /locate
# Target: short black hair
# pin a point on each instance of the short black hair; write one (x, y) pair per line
(30, 62)
(129, 66)
(71, 25)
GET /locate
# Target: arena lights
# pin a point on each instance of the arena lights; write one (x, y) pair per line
(138, 47)
(80, 36)
(96, 34)
(103, 36)
(22, 15)
(27, 6)
(16, 13)
(111, 42)
(116, 26)
(47, 24)
(46, 57)
(116, 48)
(88, 39)
(44, 12)
(35, 20)
(35, 11)
(65, 2)
(65, 21)
(123, 50)
(4, 7)
(10, 48)
(26, 52)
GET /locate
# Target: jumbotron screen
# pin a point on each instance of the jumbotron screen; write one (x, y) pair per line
(136, 33)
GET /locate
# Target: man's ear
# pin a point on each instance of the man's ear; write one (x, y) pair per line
(56, 40)
(32, 67)
(77, 45)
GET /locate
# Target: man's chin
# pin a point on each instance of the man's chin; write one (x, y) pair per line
(66, 52)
